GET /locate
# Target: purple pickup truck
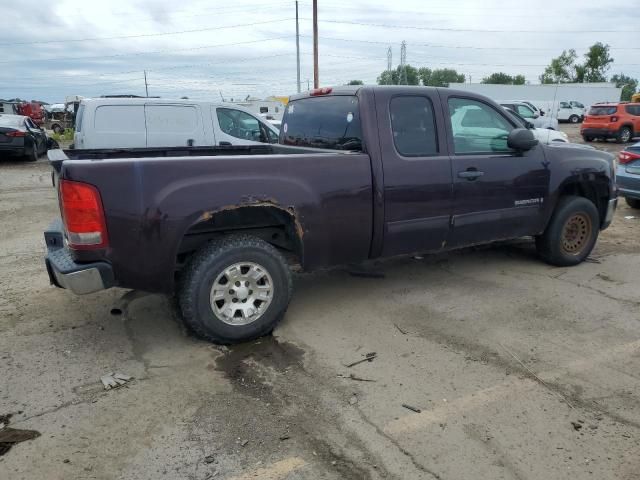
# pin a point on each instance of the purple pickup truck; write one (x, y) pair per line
(359, 173)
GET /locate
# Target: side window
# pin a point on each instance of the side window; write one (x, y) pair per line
(477, 127)
(525, 111)
(239, 124)
(273, 137)
(633, 110)
(413, 126)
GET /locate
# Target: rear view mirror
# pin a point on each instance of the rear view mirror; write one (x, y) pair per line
(521, 139)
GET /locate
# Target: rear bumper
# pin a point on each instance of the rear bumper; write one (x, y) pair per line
(598, 132)
(14, 149)
(64, 272)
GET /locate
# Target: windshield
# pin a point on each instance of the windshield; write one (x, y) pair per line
(603, 110)
(323, 122)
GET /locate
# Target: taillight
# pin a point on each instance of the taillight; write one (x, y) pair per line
(83, 215)
(321, 91)
(17, 133)
(627, 157)
(613, 119)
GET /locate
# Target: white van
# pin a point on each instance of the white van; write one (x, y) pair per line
(158, 122)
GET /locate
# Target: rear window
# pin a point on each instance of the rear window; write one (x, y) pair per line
(331, 122)
(79, 116)
(603, 110)
(633, 110)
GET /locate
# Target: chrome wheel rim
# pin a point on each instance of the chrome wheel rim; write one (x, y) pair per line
(626, 135)
(576, 233)
(241, 293)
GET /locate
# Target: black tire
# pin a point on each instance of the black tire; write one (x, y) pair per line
(32, 156)
(587, 138)
(624, 135)
(57, 129)
(574, 119)
(633, 202)
(556, 245)
(208, 264)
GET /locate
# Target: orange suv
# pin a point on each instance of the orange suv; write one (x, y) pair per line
(612, 120)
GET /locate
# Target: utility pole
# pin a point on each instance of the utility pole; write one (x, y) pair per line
(297, 47)
(146, 85)
(316, 75)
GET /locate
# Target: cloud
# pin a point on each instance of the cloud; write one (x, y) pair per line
(214, 54)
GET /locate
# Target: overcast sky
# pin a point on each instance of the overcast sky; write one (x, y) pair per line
(207, 48)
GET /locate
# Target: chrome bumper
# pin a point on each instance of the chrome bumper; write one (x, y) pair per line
(611, 210)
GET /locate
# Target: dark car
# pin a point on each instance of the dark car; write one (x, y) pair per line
(402, 170)
(21, 137)
(628, 175)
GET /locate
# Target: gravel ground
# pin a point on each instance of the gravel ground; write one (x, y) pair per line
(519, 370)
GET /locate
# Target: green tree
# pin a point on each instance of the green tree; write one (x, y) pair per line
(597, 63)
(440, 77)
(355, 82)
(406, 75)
(562, 69)
(504, 79)
(629, 85)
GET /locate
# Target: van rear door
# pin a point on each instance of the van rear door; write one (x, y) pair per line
(174, 125)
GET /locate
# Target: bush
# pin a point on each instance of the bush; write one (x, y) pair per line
(66, 136)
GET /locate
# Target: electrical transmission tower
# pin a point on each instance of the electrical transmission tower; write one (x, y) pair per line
(403, 63)
(389, 58)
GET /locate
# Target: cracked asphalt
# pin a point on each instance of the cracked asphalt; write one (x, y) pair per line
(519, 370)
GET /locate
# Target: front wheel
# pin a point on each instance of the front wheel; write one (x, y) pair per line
(571, 233)
(235, 289)
(633, 202)
(574, 119)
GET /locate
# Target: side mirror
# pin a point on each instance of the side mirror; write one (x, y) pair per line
(530, 125)
(521, 139)
(535, 115)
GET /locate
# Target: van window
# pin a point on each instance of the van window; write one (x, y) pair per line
(79, 116)
(239, 124)
(119, 118)
(264, 109)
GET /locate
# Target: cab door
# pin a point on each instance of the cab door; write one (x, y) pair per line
(417, 171)
(498, 193)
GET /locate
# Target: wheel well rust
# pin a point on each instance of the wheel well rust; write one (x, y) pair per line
(263, 217)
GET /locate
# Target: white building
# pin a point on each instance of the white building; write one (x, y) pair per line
(546, 96)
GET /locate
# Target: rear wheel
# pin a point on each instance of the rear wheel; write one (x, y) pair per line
(57, 129)
(574, 119)
(235, 289)
(571, 233)
(32, 156)
(633, 202)
(624, 135)
(587, 138)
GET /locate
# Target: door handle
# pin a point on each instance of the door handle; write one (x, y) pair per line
(225, 144)
(470, 174)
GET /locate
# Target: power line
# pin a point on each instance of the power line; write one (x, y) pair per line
(144, 35)
(115, 55)
(458, 46)
(440, 29)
